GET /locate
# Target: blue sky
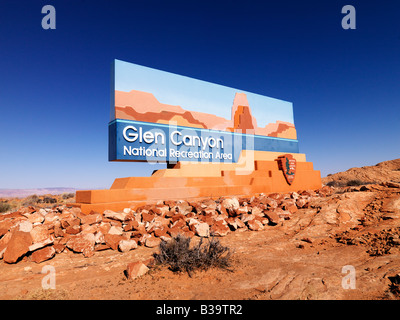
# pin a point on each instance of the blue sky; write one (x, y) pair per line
(55, 84)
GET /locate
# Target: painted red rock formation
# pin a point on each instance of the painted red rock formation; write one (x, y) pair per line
(143, 106)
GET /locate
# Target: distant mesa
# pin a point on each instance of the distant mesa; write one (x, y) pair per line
(144, 106)
(21, 193)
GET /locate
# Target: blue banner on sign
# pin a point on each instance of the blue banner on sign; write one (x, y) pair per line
(152, 142)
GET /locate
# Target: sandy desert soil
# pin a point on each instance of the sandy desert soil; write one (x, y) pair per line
(299, 259)
(303, 257)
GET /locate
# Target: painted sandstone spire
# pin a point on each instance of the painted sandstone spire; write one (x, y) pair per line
(144, 106)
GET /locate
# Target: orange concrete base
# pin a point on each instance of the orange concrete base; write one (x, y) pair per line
(190, 181)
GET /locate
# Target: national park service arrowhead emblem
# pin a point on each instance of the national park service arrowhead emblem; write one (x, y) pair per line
(288, 165)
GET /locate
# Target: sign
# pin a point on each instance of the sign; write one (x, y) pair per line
(288, 165)
(158, 116)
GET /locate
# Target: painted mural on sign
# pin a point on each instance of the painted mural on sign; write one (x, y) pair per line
(164, 117)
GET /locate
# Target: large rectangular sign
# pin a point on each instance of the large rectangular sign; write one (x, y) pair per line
(158, 116)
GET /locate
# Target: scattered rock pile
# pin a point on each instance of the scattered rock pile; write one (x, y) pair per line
(377, 243)
(39, 234)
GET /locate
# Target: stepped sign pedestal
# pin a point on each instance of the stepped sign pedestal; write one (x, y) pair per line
(217, 141)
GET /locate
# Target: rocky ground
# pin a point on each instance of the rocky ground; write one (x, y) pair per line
(385, 171)
(331, 243)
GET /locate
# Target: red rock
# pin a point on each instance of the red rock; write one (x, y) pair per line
(390, 184)
(272, 217)
(131, 225)
(165, 238)
(173, 232)
(51, 217)
(219, 229)
(275, 196)
(43, 254)
(135, 270)
(202, 229)
(287, 203)
(292, 208)
(104, 227)
(170, 203)
(35, 217)
(147, 217)
(325, 191)
(38, 245)
(307, 193)
(3, 231)
(11, 215)
(69, 221)
(3, 243)
(120, 216)
(230, 206)
(263, 220)
(91, 218)
(150, 262)
(247, 217)
(40, 233)
(244, 210)
(75, 210)
(141, 228)
(27, 210)
(17, 246)
(232, 223)
(271, 203)
(240, 223)
(161, 209)
(113, 240)
(89, 228)
(257, 211)
(83, 242)
(152, 242)
(101, 247)
(73, 229)
(294, 195)
(208, 203)
(189, 234)
(115, 230)
(170, 213)
(161, 221)
(127, 245)
(209, 220)
(58, 231)
(255, 225)
(192, 224)
(25, 226)
(179, 224)
(159, 232)
(114, 223)
(183, 207)
(6, 224)
(59, 247)
(301, 203)
(142, 239)
(284, 214)
(177, 217)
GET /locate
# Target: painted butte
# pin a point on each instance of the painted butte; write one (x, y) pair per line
(269, 163)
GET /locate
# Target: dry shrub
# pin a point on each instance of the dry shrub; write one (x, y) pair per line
(31, 200)
(4, 207)
(66, 196)
(179, 256)
(355, 182)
